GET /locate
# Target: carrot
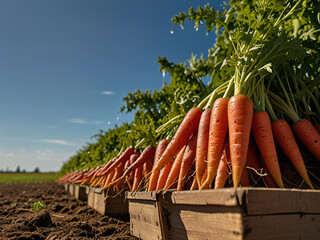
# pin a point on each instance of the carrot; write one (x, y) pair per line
(147, 154)
(127, 164)
(118, 173)
(147, 167)
(222, 171)
(283, 134)
(309, 136)
(101, 179)
(217, 134)
(137, 178)
(124, 156)
(253, 158)
(262, 132)
(240, 111)
(194, 185)
(163, 176)
(109, 179)
(268, 179)
(155, 174)
(187, 161)
(317, 126)
(202, 145)
(107, 165)
(132, 159)
(174, 172)
(187, 127)
(204, 178)
(245, 182)
(190, 178)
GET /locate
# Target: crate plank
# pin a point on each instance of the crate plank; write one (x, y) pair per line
(205, 222)
(71, 189)
(80, 192)
(281, 226)
(116, 205)
(271, 201)
(143, 195)
(144, 230)
(66, 187)
(144, 219)
(226, 197)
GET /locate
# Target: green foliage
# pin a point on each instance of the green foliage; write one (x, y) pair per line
(37, 206)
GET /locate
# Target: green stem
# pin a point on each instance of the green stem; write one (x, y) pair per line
(270, 110)
(227, 93)
(283, 106)
(204, 101)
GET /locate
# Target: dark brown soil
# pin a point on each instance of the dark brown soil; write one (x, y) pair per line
(62, 218)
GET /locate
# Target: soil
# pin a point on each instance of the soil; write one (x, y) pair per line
(62, 217)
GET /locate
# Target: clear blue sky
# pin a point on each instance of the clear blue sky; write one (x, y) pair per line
(66, 65)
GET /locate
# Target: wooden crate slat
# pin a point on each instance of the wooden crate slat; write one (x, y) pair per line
(260, 201)
(281, 226)
(205, 222)
(144, 230)
(226, 197)
(142, 195)
(80, 192)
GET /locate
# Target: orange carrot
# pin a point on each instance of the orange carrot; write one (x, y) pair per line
(317, 126)
(164, 176)
(190, 178)
(194, 185)
(174, 172)
(155, 174)
(222, 172)
(245, 182)
(283, 134)
(109, 179)
(118, 171)
(240, 111)
(253, 159)
(268, 179)
(202, 145)
(204, 178)
(146, 155)
(147, 167)
(217, 134)
(186, 129)
(132, 159)
(124, 156)
(137, 178)
(262, 132)
(309, 136)
(187, 161)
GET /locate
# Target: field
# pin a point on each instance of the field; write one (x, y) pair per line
(46, 211)
(27, 177)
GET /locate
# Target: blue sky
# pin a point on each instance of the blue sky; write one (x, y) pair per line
(66, 65)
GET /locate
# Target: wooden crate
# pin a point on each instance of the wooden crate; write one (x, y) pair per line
(66, 187)
(148, 214)
(243, 213)
(71, 189)
(112, 205)
(79, 192)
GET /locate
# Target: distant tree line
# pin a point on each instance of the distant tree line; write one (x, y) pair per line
(18, 170)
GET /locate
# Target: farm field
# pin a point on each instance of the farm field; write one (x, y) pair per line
(46, 211)
(27, 177)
